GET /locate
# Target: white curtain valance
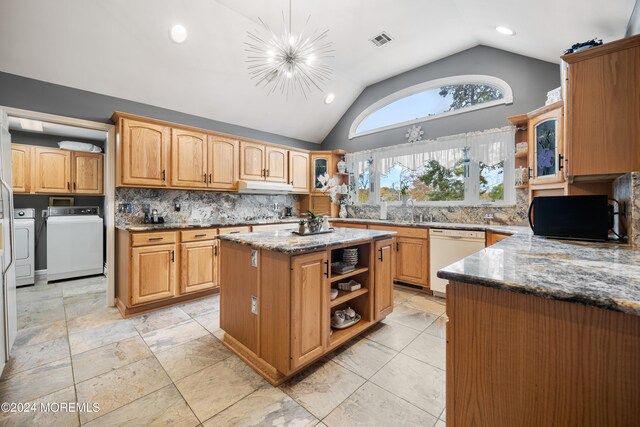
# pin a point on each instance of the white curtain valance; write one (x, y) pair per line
(489, 146)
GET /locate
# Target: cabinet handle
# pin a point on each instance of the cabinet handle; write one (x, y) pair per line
(264, 172)
(560, 164)
(215, 250)
(326, 271)
(397, 247)
(267, 172)
(164, 175)
(74, 186)
(204, 178)
(68, 186)
(173, 256)
(209, 178)
(530, 173)
(380, 250)
(233, 232)
(200, 235)
(155, 238)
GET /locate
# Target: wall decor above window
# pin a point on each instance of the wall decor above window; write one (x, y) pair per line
(432, 100)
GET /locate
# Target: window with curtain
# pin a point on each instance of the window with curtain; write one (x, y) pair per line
(468, 169)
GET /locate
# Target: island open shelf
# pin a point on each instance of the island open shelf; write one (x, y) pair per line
(275, 305)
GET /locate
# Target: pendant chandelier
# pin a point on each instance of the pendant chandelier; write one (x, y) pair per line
(289, 62)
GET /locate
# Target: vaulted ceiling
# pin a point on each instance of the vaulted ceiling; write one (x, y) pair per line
(122, 48)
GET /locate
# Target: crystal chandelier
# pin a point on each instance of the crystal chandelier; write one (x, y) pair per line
(288, 62)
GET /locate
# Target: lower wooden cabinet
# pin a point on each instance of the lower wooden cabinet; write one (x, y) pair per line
(153, 273)
(199, 266)
(309, 295)
(412, 255)
(158, 268)
(384, 274)
(493, 237)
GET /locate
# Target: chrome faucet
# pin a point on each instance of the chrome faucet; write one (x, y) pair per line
(413, 209)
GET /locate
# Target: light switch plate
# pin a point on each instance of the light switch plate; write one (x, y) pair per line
(254, 258)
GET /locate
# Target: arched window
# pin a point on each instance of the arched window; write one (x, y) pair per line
(431, 100)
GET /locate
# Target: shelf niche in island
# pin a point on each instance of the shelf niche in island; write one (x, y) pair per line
(275, 306)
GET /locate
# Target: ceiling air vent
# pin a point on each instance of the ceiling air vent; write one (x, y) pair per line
(381, 39)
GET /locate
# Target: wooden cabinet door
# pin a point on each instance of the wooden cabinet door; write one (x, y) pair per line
(188, 159)
(412, 260)
(87, 173)
(309, 307)
(603, 113)
(21, 167)
(52, 170)
(276, 164)
(199, 266)
(546, 156)
(223, 163)
(153, 273)
(252, 161)
(383, 274)
(299, 171)
(143, 153)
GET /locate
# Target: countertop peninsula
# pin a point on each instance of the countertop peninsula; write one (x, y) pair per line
(213, 224)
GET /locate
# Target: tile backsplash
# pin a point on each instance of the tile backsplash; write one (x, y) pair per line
(626, 189)
(200, 206)
(504, 215)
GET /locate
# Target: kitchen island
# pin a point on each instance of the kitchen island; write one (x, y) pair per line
(275, 305)
(544, 332)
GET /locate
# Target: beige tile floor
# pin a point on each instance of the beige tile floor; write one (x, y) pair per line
(170, 367)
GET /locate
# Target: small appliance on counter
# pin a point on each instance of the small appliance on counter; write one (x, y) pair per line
(571, 217)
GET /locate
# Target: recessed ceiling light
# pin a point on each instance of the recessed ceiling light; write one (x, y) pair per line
(178, 33)
(329, 98)
(32, 125)
(505, 30)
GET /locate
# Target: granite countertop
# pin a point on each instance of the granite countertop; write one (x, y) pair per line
(604, 275)
(187, 225)
(511, 229)
(288, 242)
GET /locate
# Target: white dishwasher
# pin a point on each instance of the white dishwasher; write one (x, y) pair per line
(448, 246)
(74, 242)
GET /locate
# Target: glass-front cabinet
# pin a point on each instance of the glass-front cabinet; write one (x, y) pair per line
(546, 147)
(320, 167)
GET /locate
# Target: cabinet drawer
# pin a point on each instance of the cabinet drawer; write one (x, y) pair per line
(234, 230)
(155, 238)
(273, 227)
(348, 225)
(418, 233)
(197, 235)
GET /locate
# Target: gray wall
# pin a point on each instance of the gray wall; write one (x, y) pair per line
(633, 27)
(530, 79)
(29, 94)
(40, 202)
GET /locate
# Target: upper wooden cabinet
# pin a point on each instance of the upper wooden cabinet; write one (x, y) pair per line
(546, 141)
(188, 159)
(87, 173)
(52, 170)
(277, 164)
(320, 164)
(143, 153)
(603, 109)
(252, 161)
(223, 163)
(56, 171)
(21, 167)
(299, 171)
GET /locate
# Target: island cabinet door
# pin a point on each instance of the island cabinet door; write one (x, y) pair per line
(384, 272)
(153, 273)
(309, 307)
(199, 266)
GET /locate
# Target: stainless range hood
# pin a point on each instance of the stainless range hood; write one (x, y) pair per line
(262, 187)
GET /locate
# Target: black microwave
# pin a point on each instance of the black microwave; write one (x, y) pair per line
(570, 217)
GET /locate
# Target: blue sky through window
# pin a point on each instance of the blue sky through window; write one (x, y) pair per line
(412, 107)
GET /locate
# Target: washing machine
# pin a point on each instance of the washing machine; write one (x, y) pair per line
(25, 242)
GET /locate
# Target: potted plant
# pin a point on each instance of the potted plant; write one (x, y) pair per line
(301, 226)
(314, 222)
